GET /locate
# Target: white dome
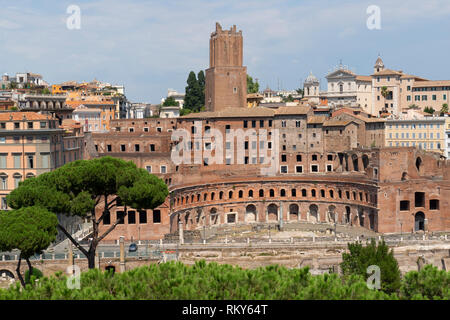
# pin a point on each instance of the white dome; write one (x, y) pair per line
(311, 79)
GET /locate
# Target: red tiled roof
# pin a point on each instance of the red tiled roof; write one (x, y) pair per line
(16, 116)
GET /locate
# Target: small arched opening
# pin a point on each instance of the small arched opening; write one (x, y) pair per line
(293, 212)
(419, 221)
(250, 213)
(272, 212)
(313, 213)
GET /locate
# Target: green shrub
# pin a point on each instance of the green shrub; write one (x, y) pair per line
(428, 283)
(212, 281)
(359, 258)
(36, 274)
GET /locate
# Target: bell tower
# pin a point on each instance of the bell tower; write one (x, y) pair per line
(226, 78)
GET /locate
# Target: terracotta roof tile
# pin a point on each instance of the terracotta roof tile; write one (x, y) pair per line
(6, 116)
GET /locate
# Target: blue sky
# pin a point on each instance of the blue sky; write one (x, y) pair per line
(150, 46)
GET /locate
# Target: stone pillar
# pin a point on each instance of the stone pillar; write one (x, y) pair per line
(122, 253)
(281, 216)
(180, 232)
(97, 260)
(70, 259)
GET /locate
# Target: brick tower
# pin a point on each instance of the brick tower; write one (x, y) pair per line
(226, 78)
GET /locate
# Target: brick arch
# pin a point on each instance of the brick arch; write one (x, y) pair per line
(214, 217)
(313, 213)
(251, 213)
(294, 212)
(272, 212)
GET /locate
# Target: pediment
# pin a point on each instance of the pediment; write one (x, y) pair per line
(340, 74)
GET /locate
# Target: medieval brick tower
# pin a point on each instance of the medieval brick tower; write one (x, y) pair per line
(226, 78)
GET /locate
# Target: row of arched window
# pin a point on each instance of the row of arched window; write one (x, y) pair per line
(322, 193)
(17, 178)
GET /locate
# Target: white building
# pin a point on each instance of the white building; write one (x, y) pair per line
(311, 89)
(271, 96)
(29, 78)
(349, 89)
(89, 118)
(178, 97)
(170, 112)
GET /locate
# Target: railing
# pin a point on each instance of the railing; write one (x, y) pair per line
(165, 250)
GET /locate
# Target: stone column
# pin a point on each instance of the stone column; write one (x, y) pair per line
(70, 255)
(180, 232)
(122, 253)
(97, 260)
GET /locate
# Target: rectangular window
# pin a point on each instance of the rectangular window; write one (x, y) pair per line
(261, 123)
(136, 147)
(149, 169)
(314, 168)
(122, 147)
(4, 203)
(299, 169)
(107, 218)
(404, 205)
(120, 216)
(45, 160)
(131, 217)
(30, 161)
(109, 148)
(152, 147)
(4, 182)
(434, 204)
(142, 216)
(163, 169)
(329, 168)
(156, 216)
(284, 169)
(3, 160)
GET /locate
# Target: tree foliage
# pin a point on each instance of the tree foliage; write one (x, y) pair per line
(428, 283)
(361, 257)
(29, 230)
(252, 87)
(444, 109)
(170, 101)
(429, 110)
(213, 281)
(194, 98)
(78, 187)
(201, 281)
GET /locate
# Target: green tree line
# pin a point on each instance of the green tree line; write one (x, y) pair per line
(212, 281)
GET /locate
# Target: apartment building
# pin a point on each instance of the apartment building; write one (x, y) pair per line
(31, 144)
(428, 133)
